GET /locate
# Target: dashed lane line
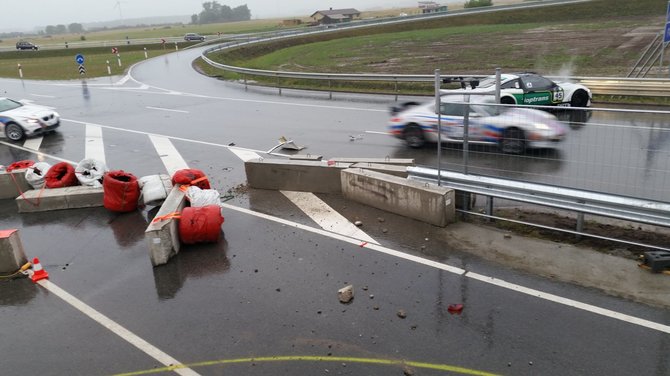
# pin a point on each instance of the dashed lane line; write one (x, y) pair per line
(169, 155)
(167, 109)
(325, 216)
(33, 143)
(94, 146)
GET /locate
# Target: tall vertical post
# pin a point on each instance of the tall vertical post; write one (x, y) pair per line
(20, 71)
(498, 78)
(466, 133)
(145, 53)
(438, 102)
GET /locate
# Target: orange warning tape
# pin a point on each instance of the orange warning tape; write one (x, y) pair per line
(173, 215)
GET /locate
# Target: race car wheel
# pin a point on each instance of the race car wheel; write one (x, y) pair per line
(14, 132)
(507, 100)
(579, 99)
(414, 136)
(513, 141)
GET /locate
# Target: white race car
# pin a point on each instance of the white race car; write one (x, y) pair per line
(19, 120)
(529, 89)
(513, 129)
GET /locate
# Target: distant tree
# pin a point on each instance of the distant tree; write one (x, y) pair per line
(61, 29)
(478, 3)
(213, 12)
(50, 29)
(75, 28)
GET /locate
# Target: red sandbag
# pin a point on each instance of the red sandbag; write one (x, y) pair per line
(120, 191)
(19, 165)
(191, 176)
(61, 175)
(201, 224)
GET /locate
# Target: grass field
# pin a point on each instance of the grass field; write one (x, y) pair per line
(61, 65)
(601, 37)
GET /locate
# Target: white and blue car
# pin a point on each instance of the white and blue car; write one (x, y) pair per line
(19, 120)
(513, 129)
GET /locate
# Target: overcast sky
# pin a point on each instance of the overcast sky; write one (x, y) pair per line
(28, 14)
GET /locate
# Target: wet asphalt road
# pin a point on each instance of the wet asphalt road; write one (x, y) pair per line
(269, 289)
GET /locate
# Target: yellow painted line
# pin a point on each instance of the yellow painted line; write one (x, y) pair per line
(306, 358)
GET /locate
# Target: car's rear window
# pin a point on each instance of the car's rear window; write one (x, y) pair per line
(8, 104)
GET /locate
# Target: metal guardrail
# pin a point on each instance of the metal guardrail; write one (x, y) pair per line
(583, 202)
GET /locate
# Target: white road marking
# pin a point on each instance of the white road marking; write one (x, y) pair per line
(171, 158)
(117, 329)
(325, 216)
(569, 302)
(43, 96)
(244, 154)
(166, 109)
(33, 143)
(377, 132)
(458, 271)
(94, 147)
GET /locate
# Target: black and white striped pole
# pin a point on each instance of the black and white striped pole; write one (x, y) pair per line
(109, 68)
(118, 58)
(145, 53)
(20, 71)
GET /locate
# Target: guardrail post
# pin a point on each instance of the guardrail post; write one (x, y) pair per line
(489, 207)
(580, 224)
(330, 89)
(245, 82)
(278, 84)
(396, 88)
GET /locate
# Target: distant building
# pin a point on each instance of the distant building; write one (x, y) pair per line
(332, 16)
(431, 7)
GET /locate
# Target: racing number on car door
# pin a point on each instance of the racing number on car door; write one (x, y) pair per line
(559, 95)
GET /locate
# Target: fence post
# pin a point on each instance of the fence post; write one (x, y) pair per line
(245, 82)
(580, 224)
(466, 131)
(489, 207)
(438, 101)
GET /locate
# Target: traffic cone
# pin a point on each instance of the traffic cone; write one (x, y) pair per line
(38, 272)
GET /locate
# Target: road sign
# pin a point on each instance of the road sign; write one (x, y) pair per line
(115, 50)
(79, 59)
(82, 70)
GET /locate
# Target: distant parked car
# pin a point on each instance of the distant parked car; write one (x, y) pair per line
(513, 129)
(193, 37)
(23, 45)
(19, 120)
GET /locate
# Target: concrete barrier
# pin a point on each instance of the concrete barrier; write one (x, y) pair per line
(394, 170)
(39, 200)
(163, 235)
(9, 188)
(12, 256)
(302, 176)
(431, 204)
